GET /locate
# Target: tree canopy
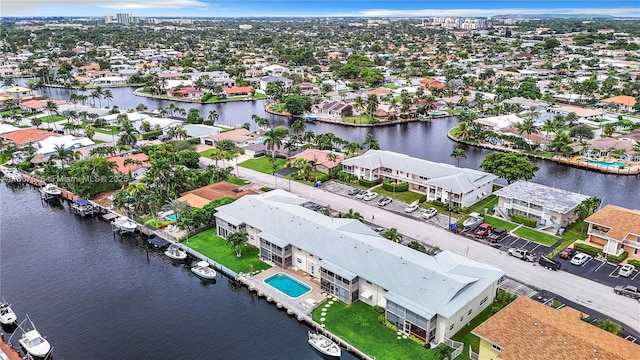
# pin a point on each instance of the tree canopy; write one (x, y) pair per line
(509, 166)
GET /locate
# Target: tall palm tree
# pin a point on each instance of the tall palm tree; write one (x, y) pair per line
(464, 132)
(351, 214)
(178, 207)
(371, 143)
(458, 153)
(527, 126)
(237, 240)
(180, 132)
(358, 103)
(52, 108)
(393, 235)
(372, 104)
(273, 141)
(61, 153)
(128, 135)
(298, 126)
(213, 116)
(97, 94)
(107, 95)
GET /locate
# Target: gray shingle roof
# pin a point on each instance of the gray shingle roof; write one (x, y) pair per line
(558, 200)
(442, 284)
(457, 180)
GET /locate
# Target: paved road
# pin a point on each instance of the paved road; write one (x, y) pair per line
(574, 288)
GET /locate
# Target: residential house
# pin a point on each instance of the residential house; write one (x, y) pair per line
(551, 207)
(429, 84)
(264, 81)
(443, 182)
(18, 92)
(238, 91)
(48, 146)
(430, 297)
(500, 122)
(200, 131)
(308, 88)
(137, 168)
(332, 108)
(25, 137)
(527, 329)
(616, 229)
(109, 81)
(320, 159)
(274, 70)
(624, 102)
(38, 105)
(602, 148)
(200, 197)
(584, 115)
(188, 93)
(240, 137)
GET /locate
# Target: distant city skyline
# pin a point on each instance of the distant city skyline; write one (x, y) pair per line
(284, 8)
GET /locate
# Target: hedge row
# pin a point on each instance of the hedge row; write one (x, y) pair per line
(153, 133)
(369, 183)
(618, 259)
(393, 187)
(635, 263)
(587, 249)
(526, 221)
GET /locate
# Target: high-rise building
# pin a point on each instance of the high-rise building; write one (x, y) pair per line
(108, 19)
(123, 18)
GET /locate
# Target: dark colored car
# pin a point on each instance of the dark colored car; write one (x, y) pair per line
(482, 230)
(549, 263)
(353, 191)
(497, 234)
(567, 253)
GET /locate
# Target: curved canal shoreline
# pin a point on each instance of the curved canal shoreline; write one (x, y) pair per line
(137, 92)
(557, 159)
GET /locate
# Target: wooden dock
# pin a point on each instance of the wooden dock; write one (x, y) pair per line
(8, 350)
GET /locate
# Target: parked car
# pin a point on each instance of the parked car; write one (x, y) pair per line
(369, 196)
(354, 191)
(384, 201)
(630, 291)
(411, 207)
(497, 234)
(361, 194)
(549, 263)
(429, 213)
(522, 254)
(626, 270)
(380, 230)
(580, 259)
(567, 253)
(482, 230)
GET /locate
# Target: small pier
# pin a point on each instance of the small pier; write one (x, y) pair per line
(83, 207)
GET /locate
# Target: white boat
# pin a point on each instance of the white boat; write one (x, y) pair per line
(12, 174)
(473, 221)
(324, 346)
(7, 316)
(50, 191)
(174, 252)
(203, 270)
(125, 224)
(34, 343)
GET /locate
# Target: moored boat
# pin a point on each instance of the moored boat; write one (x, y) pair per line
(34, 343)
(175, 253)
(203, 270)
(50, 191)
(7, 316)
(12, 174)
(125, 224)
(473, 221)
(324, 345)
(83, 207)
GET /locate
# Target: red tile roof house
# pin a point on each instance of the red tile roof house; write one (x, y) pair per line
(26, 136)
(320, 160)
(238, 90)
(132, 169)
(432, 83)
(38, 105)
(186, 93)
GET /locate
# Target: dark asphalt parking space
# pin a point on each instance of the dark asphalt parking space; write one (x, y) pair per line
(510, 241)
(600, 271)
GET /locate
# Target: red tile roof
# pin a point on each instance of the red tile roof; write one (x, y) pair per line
(238, 89)
(119, 160)
(27, 136)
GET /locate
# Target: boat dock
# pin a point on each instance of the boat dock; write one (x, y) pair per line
(7, 350)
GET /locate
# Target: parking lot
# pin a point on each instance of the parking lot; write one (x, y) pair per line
(398, 207)
(600, 271)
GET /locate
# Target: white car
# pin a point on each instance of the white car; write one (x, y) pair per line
(411, 208)
(626, 270)
(580, 259)
(370, 196)
(429, 213)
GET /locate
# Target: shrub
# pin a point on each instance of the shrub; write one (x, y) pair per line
(381, 320)
(378, 309)
(635, 263)
(588, 249)
(399, 187)
(206, 97)
(438, 203)
(422, 198)
(324, 178)
(526, 221)
(369, 183)
(417, 340)
(388, 324)
(618, 259)
(280, 156)
(154, 133)
(266, 188)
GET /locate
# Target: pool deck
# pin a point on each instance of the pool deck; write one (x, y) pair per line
(306, 303)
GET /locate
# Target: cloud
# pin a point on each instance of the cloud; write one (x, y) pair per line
(492, 12)
(52, 7)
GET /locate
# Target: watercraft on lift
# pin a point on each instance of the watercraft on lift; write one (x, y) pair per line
(125, 225)
(324, 345)
(50, 191)
(175, 253)
(203, 270)
(12, 174)
(7, 316)
(32, 342)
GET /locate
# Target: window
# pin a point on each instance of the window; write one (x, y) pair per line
(451, 327)
(469, 312)
(461, 318)
(299, 261)
(484, 300)
(496, 347)
(635, 251)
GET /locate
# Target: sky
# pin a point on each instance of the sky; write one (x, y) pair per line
(282, 8)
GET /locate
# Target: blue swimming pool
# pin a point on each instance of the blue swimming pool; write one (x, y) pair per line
(606, 163)
(172, 216)
(287, 285)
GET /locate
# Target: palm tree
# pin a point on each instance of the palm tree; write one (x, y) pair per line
(180, 132)
(107, 95)
(372, 104)
(393, 235)
(298, 126)
(273, 141)
(97, 94)
(464, 132)
(178, 207)
(61, 153)
(128, 135)
(141, 107)
(358, 103)
(371, 143)
(608, 130)
(527, 126)
(443, 352)
(237, 240)
(353, 215)
(533, 112)
(51, 107)
(458, 153)
(213, 116)
(36, 121)
(137, 190)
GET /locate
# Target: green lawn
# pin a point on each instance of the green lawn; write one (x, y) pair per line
(235, 180)
(465, 336)
(358, 324)
(51, 119)
(489, 203)
(495, 222)
(216, 248)
(278, 108)
(575, 231)
(112, 130)
(263, 164)
(406, 196)
(536, 236)
(362, 119)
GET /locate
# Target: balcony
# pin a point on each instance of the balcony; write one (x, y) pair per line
(598, 233)
(612, 248)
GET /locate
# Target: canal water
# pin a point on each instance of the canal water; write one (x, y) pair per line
(96, 296)
(426, 140)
